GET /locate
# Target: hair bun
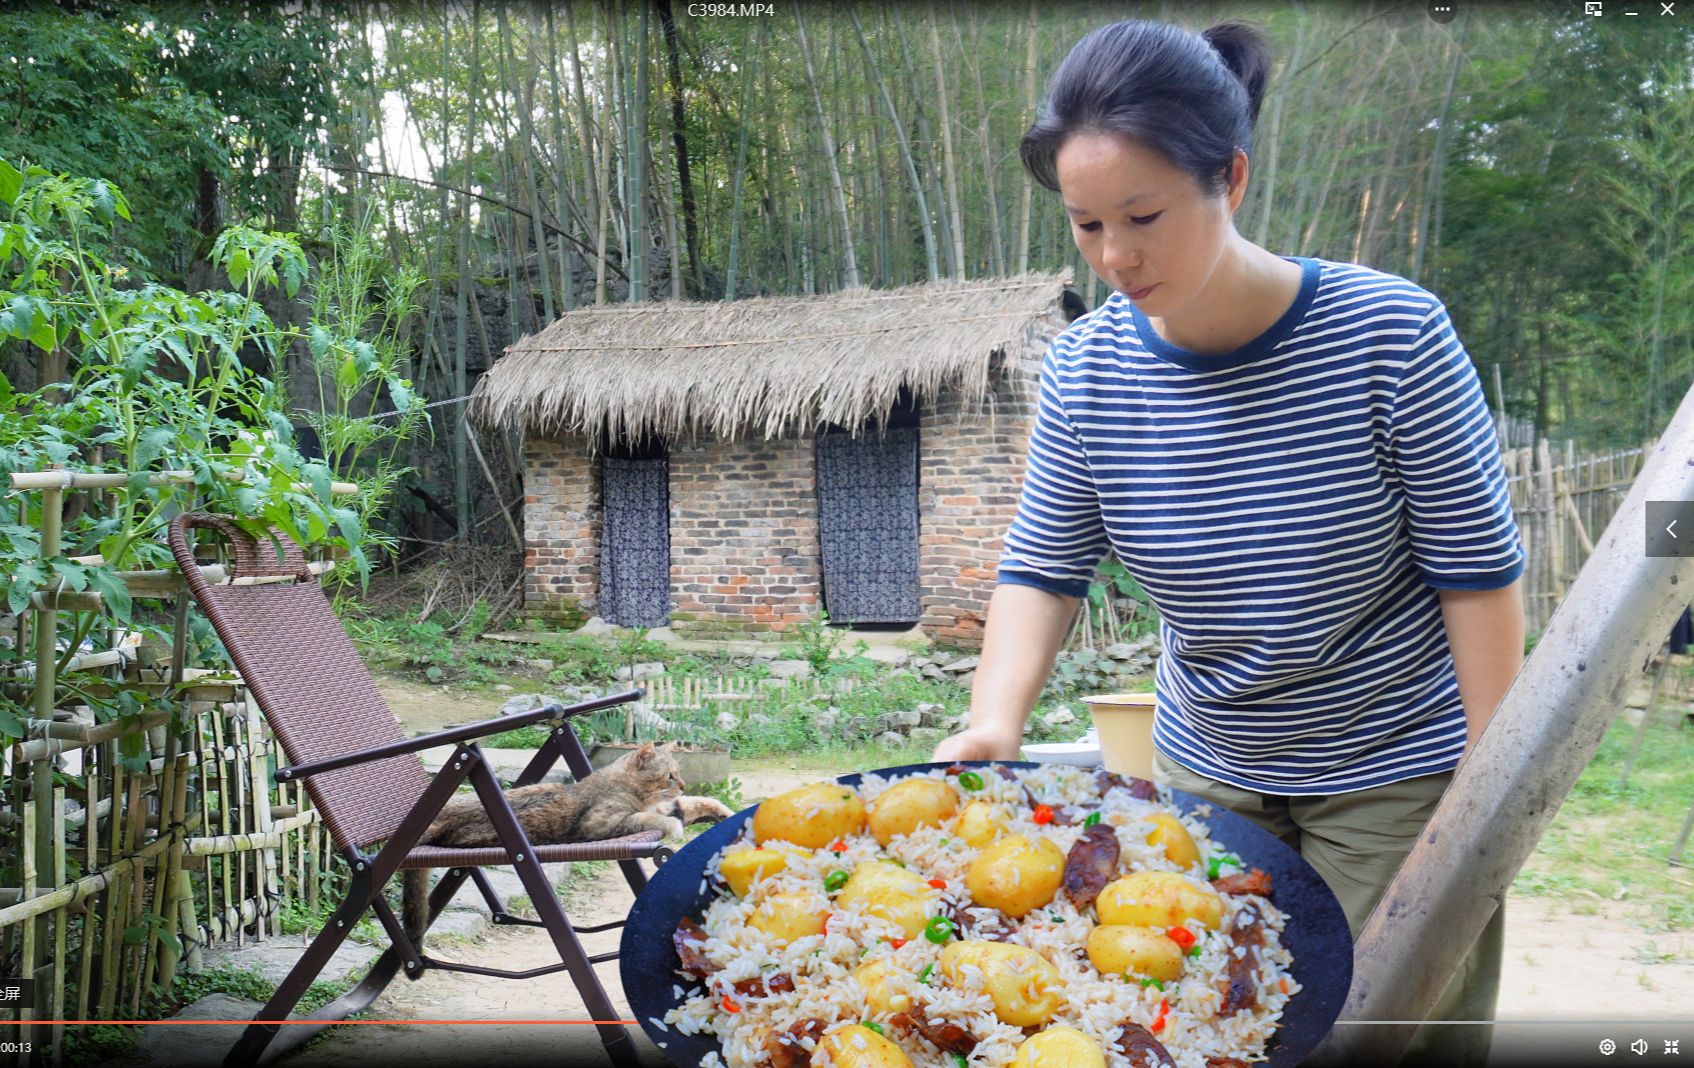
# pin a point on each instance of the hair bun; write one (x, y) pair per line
(1246, 53)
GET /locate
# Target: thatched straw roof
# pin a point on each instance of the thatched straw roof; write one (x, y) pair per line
(766, 365)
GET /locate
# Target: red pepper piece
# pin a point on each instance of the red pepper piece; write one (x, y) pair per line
(939, 884)
(1182, 936)
(1043, 814)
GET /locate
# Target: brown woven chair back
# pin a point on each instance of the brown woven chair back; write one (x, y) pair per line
(308, 680)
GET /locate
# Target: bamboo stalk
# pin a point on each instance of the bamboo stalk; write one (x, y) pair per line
(258, 777)
(135, 810)
(109, 918)
(31, 930)
(92, 806)
(169, 950)
(224, 804)
(56, 1001)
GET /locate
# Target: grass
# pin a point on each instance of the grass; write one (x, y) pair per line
(1610, 840)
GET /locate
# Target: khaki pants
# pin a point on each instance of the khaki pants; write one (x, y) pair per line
(1356, 842)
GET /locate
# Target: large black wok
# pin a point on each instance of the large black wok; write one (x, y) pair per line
(1316, 932)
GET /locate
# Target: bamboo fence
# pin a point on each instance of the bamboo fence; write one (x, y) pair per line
(126, 872)
(1563, 501)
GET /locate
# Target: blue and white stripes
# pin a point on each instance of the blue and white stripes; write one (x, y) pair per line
(1291, 509)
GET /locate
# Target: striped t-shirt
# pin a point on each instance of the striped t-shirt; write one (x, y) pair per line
(1291, 509)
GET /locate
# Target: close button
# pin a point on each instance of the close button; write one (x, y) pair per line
(1670, 528)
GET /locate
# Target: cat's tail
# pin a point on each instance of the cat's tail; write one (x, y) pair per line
(414, 903)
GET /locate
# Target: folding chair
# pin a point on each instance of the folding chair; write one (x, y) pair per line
(369, 785)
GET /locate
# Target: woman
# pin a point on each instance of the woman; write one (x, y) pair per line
(1294, 459)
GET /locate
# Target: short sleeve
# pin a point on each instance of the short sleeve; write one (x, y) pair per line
(1447, 458)
(1057, 536)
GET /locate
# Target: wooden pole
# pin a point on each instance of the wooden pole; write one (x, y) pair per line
(1509, 788)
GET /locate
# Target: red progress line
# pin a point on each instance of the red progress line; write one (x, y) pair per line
(340, 1023)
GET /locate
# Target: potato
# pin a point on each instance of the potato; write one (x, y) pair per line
(1059, 1047)
(788, 917)
(811, 816)
(1025, 988)
(1016, 874)
(908, 805)
(1146, 952)
(896, 894)
(881, 994)
(979, 824)
(857, 1046)
(742, 868)
(1159, 899)
(1169, 832)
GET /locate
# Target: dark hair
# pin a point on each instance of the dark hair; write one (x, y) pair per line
(1191, 98)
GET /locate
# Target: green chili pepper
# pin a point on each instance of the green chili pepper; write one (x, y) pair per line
(970, 780)
(938, 930)
(1055, 917)
(1212, 867)
(871, 1025)
(834, 881)
(1195, 952)
(1091, 819)
(923, 976)
(959, 1061)
(1158, 984)
(944, 841)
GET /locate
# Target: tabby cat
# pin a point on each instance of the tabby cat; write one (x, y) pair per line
(642, 791)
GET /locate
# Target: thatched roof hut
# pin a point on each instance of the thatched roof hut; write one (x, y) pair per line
(708, 465)
(766, 365)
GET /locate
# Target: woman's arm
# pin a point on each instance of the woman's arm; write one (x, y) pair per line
(1485, 631)
(1025, 628)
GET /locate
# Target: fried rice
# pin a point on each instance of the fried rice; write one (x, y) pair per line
(822, 966)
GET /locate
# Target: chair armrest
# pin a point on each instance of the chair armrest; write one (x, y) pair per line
(453, 735)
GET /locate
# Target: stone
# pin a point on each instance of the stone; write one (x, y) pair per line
(963, 664)
(597, 628)
(726, 721)
(1122, 651)
(662, 634)
(901, 720)
(920, 662)
(636, 672)
(790, 669)
(502, 687)
(538, 663)
(202, 1046)
(952, 724)
(824, 722)
(930, 736)
(526, 702)
(890, 740)
(888, 654)
(929, 714)
(1060, 717)
(930, 671)
(967, 680)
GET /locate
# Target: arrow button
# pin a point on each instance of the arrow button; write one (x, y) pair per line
(1667, 521)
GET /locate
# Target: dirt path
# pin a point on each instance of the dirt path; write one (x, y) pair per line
(1559, 964)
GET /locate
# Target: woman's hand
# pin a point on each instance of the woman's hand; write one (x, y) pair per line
(977, 743)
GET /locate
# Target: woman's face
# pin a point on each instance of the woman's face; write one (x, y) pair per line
(1144, 225)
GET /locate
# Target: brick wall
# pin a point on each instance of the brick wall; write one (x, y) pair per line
(744, 536)
(561, 519)
(972, 470)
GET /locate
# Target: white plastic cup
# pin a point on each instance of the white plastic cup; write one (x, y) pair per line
(1125, 724)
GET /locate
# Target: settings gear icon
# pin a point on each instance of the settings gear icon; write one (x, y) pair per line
(1608, 1047)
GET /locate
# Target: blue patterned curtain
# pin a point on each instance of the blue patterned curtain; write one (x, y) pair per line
(635, 543)
(868, 525)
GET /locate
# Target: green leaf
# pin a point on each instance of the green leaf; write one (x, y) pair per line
(351, 528)
(11, 724)
(42, 331)
(22, 314)
(152, 443)
(75, 575)
(347, 375)
(111, 587)
(319, 476)
(11, 182)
